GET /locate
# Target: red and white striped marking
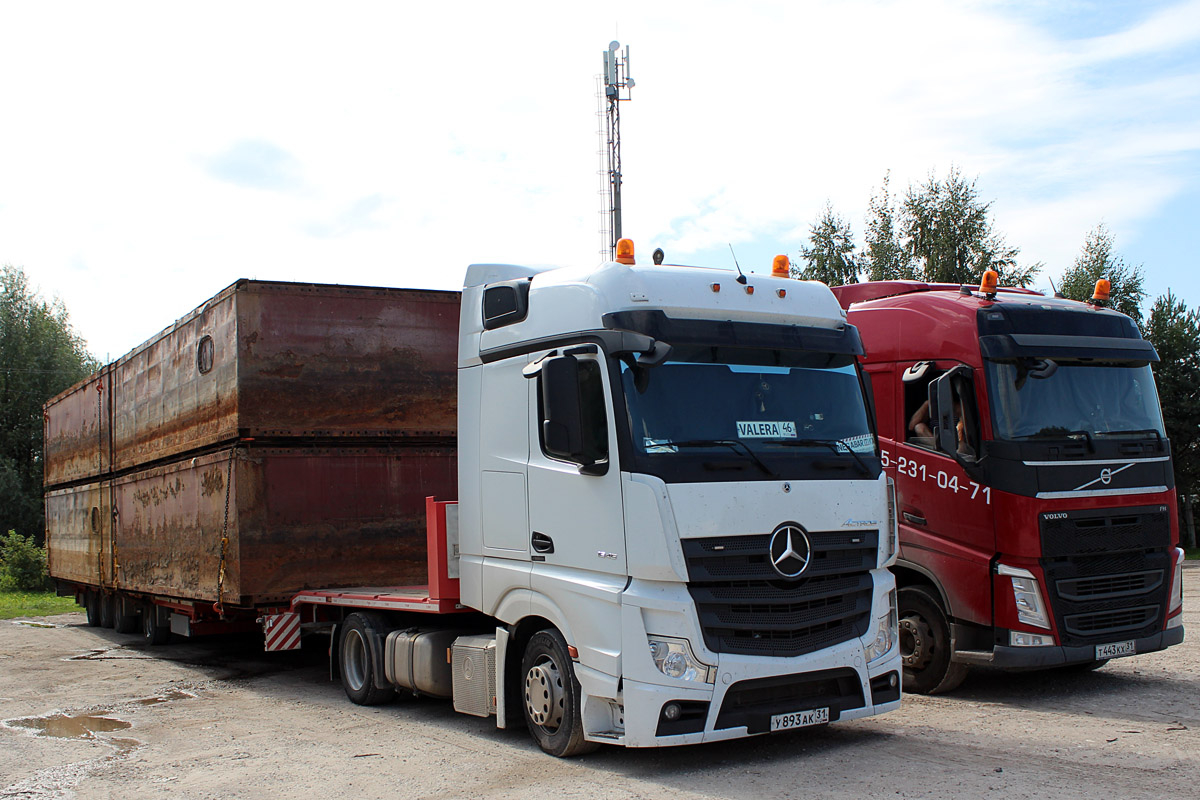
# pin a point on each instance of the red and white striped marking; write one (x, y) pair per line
(282, 631)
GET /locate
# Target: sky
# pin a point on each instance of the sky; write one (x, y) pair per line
(151, 154)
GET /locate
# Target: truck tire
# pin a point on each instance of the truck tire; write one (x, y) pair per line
(356, 659)
(91, 604)
(108, 610)
(122, 622)
(551, 693)
(153, 631)
(925, 644)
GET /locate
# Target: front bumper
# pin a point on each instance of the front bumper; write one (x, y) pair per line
(1029, 658)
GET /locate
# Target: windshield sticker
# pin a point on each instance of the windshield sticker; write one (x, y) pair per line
(766, 430)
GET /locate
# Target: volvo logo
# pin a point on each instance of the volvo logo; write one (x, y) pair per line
(790, 550)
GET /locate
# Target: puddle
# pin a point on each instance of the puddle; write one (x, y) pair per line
(62, 726)
(165, 697)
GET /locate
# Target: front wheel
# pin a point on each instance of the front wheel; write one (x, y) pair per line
(925, 644)
(552, 696)
(357, 664)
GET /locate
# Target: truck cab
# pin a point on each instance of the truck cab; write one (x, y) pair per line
(671, 501)
(1036, 496)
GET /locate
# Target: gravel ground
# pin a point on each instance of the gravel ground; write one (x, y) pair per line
(90, 713)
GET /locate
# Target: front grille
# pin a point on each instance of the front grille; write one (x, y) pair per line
(1106, 572)
(752, 703)
(745, 607)
(1108, 623)
(1109, 586)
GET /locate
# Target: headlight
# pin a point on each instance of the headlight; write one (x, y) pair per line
(885, 631)
(1030, 608)
(674, 658)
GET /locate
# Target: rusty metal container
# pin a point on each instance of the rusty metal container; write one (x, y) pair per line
(268, 360)
(298, 518)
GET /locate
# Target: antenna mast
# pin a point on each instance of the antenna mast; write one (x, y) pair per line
(616, 79)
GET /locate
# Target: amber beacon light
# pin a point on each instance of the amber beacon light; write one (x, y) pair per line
(625, 251)
(987, 286)
(1103, 290)
(781, 267)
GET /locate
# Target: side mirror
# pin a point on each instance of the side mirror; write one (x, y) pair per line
(562, 422)
(941, 417)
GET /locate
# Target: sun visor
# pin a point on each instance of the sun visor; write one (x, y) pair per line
(1008, 346)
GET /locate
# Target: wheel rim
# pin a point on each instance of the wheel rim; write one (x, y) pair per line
(544, 694)
(916, 642)
(354, 660)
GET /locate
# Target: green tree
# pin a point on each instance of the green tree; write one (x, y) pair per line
(831, 258)
(884, 257)
(1175, 333)
(948, 232)
(40, 355)
(1097, 260)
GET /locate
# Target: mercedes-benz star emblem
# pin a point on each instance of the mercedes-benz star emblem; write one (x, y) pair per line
(790, 550)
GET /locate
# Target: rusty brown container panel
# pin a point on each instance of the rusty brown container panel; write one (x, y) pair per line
(283, 361)
(78, 534)
(77, 431)
(298, 518)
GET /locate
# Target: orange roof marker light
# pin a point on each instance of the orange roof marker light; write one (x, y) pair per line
(1103, 290)
(987, 286)
(781, 267)
(625, 251)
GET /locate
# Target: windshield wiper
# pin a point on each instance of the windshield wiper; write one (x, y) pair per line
(1157, 435)
(732, 444)
(832, 444)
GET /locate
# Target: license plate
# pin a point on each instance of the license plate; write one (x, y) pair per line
(1116, 649)
(800, 719)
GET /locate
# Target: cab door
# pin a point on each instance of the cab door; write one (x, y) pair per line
(576, 521)
(946, 518)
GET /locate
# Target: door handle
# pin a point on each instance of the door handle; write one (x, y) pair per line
(542, 543)
(914, 519)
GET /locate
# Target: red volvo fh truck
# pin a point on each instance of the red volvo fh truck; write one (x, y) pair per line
(1038, 519)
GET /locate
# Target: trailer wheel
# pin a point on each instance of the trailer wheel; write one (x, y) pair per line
(108, 610)
(357, 661)
(925, 644)
(552, 696)
(153, 631)
(91, 604)
(124, 623)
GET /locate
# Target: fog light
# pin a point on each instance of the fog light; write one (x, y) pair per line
(1022, 639)
(671, 711)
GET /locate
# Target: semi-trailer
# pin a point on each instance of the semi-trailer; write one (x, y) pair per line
(627, 504)
(1038, 518)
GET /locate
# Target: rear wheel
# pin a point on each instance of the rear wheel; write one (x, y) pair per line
(552, 696)
(124, 623)
(357, 663)
(108, 610)
(91, 604)
(153, 629)
(925, 644)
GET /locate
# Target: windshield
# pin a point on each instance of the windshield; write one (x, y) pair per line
(761, 416)
(1079, 399)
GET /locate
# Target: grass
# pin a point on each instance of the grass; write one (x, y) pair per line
(1192, 553)
(34, 604)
